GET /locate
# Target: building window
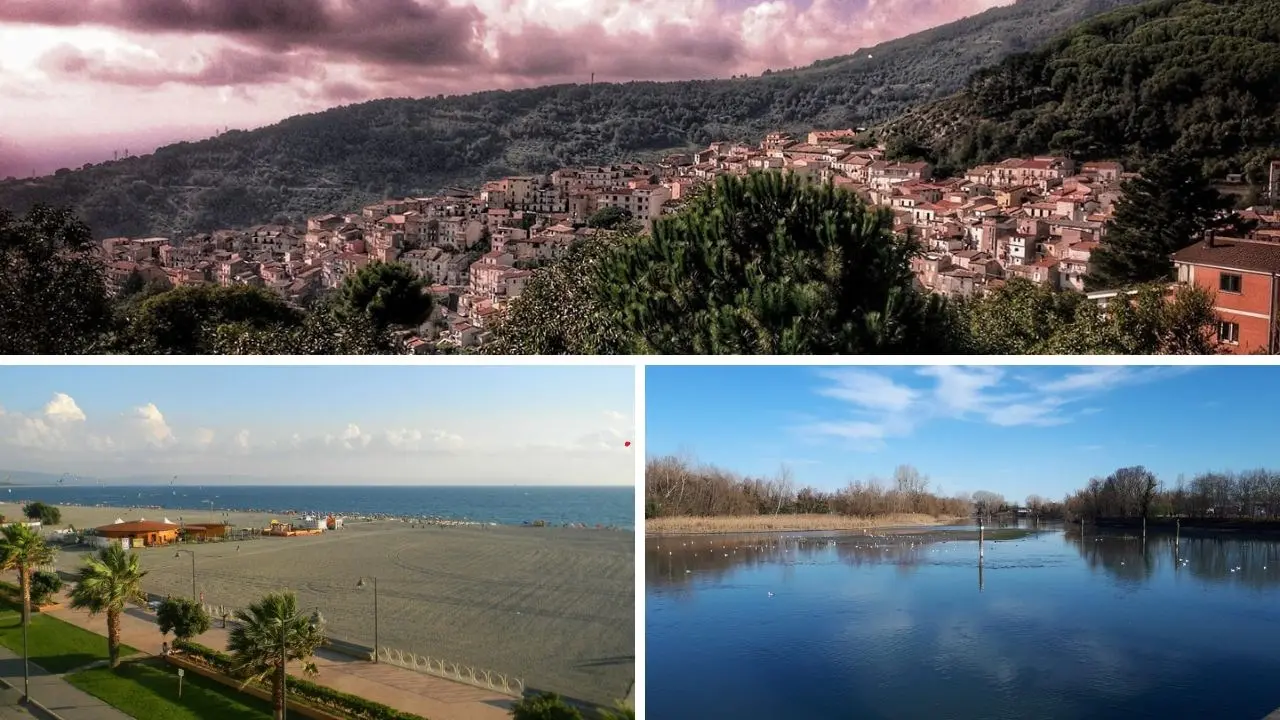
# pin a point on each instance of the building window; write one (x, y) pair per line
(1229, 283)
(1229, 332)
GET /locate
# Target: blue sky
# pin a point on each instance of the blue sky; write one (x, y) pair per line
(1011, 430)
(504, 424)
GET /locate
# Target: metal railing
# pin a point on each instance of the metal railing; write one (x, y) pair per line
(487, 679)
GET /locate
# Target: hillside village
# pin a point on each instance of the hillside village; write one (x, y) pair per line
(1038, 218)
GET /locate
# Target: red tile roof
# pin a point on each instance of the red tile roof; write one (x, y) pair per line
(1235, 254)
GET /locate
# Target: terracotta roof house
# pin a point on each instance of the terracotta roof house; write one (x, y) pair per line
(1244, 277)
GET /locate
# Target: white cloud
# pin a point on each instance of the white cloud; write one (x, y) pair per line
(881, 407)
(868, 389)
(155, 430)
(36, 433)
(63, 409)
(447, 439)
(242, 440)
(615, 416)
(205, 437)
(102, 443)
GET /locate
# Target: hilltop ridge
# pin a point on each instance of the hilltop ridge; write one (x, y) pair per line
(1196, 76)
(356, 154)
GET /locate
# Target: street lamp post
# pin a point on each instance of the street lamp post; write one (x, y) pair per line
(192, 553)
(362, 583)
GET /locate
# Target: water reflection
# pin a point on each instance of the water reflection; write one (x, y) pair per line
(858, 625)
(1253, 563)
(673, 563)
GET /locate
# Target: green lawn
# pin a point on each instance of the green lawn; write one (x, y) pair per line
(149, 689)
(55, 645)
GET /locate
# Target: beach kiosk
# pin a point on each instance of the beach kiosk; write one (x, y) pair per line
(140, 533)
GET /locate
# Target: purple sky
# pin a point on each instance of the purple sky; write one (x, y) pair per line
(81, 78)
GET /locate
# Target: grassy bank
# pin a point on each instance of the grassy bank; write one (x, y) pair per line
(54, 645)
(786, 523)
(149, 689)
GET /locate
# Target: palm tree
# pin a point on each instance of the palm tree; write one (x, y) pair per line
(22, 549)
(109, 580)
(270, 633)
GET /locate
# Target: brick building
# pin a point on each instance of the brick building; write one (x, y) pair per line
(1244, 276)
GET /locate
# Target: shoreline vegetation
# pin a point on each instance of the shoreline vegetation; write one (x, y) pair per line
(685, 497)
(733, 524)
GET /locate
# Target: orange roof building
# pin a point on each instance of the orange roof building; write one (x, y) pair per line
(141, 532)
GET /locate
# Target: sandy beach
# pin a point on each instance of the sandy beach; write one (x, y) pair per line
(555, 606)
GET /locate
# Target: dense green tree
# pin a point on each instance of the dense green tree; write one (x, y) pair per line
(22, 549)
(108, 581)
(558, 314)
(45, 513)
(387, 295)
(184, 617)
(608, 217)
(322, 332)
(1023, 318)
(184, 321)
(1027, 319)
(772, 264)
(53, 296)
(44, 586)
(1170, 206)
(270, 633)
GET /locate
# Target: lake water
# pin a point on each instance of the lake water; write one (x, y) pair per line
(1052, 626)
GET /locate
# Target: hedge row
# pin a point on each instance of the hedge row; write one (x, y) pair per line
(319, 695)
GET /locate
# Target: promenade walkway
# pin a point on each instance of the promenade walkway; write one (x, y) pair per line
(51, 691)
(407, 690)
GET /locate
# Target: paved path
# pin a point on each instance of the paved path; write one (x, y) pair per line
(51, 691)
(10, 709)
(403, 689)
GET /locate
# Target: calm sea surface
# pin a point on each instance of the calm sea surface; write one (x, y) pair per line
(504, 505)
(1053, 626)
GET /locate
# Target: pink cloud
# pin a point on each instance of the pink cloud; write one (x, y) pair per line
(245, 63)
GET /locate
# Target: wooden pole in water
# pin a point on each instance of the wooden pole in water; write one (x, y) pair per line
(1144, 528)
(981, 534)
(1177, 532)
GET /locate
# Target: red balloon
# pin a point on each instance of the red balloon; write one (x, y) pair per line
(626, 444)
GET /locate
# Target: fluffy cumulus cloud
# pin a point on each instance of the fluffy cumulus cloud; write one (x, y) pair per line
(155, 431)
(51, 428)
(263, 59)
(63, 409)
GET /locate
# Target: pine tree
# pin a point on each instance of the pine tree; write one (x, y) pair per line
(1166, 209)
(772, 264)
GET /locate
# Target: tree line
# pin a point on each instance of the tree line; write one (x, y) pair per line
(677, 486)
(1136, 492)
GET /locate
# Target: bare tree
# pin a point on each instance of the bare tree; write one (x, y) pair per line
(911, 485)
(987, 503)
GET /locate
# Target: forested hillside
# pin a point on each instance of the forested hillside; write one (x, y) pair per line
(1200, 76)
(337, 159)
